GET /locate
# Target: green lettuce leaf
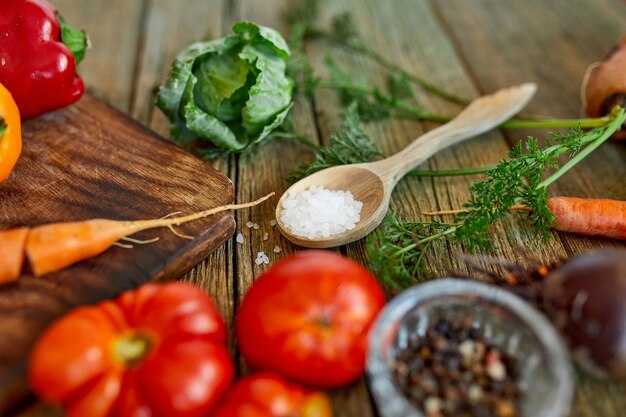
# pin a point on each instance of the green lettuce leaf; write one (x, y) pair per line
(231, 91)
(278, 120)
(272, 91)
(261, 34)
(205, 125)
(219, 77)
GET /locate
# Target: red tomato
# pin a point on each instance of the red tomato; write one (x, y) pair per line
(159, 351)
(267, 395)
(307, 318)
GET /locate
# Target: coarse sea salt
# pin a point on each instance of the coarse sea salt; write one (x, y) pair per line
(262, 258)
(318, 212)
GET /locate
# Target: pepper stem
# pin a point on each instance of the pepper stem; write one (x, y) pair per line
(132, 348)
(3, 127)
(76, 40)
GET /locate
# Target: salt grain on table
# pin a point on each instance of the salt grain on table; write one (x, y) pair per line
(318, 212)
(266, 236)
(249, 224)
(262, 258)
(239, 238)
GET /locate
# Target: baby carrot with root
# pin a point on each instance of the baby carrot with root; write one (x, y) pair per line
(53, 247)
(586, 216)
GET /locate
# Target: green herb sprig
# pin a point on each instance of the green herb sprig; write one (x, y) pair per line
(349, 145)
(345, 34)
(374, 104)
(397, 249)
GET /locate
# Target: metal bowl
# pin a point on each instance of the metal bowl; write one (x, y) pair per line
(507, 321)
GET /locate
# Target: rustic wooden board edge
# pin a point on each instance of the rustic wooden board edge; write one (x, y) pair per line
(200, 251)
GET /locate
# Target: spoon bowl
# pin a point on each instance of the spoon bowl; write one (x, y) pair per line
(365, 186)
(373, 182)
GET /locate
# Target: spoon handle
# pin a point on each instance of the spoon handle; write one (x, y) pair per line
(482, 115)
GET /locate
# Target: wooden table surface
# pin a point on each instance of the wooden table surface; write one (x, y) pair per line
(470, 47)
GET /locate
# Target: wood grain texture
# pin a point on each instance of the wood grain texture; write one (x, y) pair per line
(90, 161)
(161, 40)
(264, 170)
(114, 33)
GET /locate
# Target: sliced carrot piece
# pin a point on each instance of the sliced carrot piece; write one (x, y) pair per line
(12, 244)
(55, 246)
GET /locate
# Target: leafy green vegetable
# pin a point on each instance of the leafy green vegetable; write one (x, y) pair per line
(397, 250)
(350, 145)
(231, 91)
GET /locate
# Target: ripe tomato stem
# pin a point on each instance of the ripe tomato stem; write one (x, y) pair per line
(324, 321)
(132, 348)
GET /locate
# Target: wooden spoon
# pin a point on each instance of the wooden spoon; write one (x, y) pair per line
(372, 182)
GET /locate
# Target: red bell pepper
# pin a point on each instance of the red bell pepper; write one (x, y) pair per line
(38, 57)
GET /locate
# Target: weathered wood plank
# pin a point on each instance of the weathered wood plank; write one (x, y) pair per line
(554, 44)
(114, 29)
(167, 28)
(266, 170)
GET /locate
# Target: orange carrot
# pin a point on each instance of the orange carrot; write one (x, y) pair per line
(585, 216)
(12, 244)
(588, 216)
(56, 246)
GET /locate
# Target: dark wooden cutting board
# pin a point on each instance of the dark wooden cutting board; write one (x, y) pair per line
(91, 161)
